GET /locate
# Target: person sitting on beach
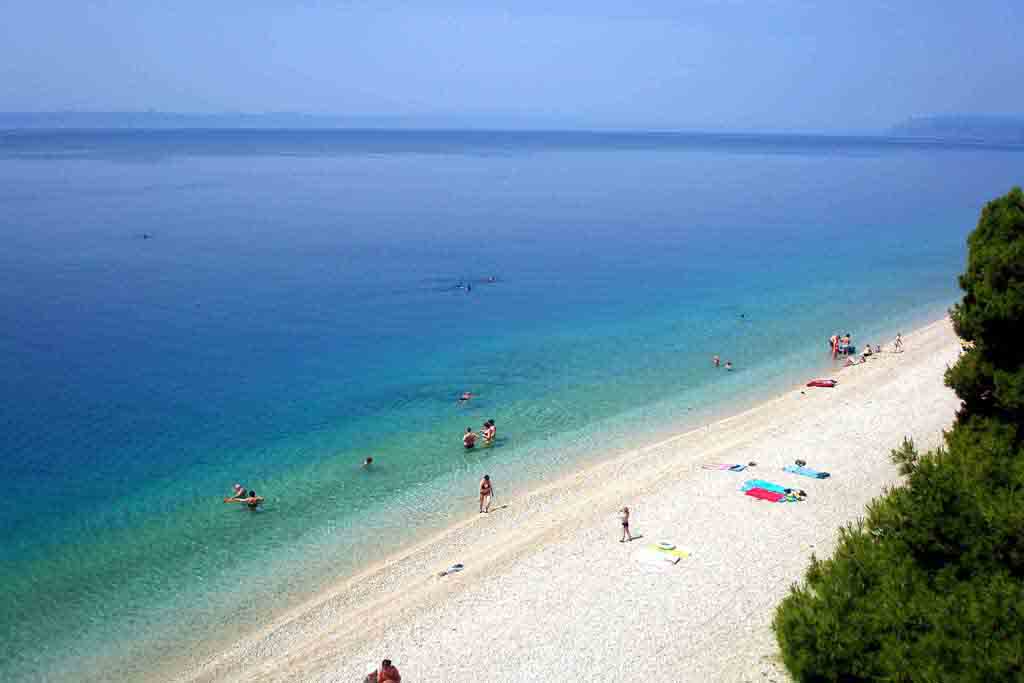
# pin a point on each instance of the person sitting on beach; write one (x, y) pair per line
(624, 519)
(866, 352)
(469, 439)
(486, 493)
(386, 672)
(716, 361)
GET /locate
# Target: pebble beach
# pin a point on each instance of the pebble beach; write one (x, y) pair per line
(548, 592)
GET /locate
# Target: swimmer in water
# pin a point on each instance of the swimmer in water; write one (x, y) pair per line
(367, 463)
(251, 500)
(468, 439)
(716, 361)
(728, 365)
(465, 396)
(239, 492)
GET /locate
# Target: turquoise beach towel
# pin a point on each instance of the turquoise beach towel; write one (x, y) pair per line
(806, 472)
(762, 484)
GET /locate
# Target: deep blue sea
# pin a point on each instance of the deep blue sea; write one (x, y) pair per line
(183, 310)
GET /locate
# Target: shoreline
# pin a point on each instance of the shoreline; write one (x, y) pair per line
(324, 634)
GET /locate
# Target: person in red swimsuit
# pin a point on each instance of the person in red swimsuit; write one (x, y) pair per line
(386, 672)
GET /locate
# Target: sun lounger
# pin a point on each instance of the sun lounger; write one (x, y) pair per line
(806, 472)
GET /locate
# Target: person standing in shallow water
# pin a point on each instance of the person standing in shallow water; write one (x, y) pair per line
(486, 493)
(468, 439)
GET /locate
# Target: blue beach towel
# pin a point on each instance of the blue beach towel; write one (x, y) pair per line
(762, 484)
(806, 472)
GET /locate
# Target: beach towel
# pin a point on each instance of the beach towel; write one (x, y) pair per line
(731, 468)
(762, 484)
(655, 558)
(806, 472)
(677, 553)
(828, 383)
(764, 494)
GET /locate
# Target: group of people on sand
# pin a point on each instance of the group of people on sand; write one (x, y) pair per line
(717, 363)
(487, 432)
(842, 346)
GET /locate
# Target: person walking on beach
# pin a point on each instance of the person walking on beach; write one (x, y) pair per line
(898, 345)
(486, 493)
(624, 519)
(468, 439)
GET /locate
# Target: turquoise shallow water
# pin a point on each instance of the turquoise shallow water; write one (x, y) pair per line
(293, 310)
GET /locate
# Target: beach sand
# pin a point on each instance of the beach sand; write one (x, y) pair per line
(548, 592)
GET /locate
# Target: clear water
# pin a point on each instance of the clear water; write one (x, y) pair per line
(293, 310)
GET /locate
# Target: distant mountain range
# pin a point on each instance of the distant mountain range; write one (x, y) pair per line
(964, 127)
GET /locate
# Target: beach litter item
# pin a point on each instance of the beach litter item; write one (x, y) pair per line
(762, 484)
(725, 466)
(806, 472)
(827, 383)
(666, 545)
(800, 463)
(452, 569)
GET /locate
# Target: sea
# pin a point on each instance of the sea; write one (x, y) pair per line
(183, 310)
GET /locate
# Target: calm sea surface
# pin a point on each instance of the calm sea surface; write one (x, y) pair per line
(180, 311)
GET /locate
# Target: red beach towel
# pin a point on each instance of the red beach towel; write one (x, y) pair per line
(765, 494)
(822, 383)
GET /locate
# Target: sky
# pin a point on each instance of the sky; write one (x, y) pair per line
(703, 64)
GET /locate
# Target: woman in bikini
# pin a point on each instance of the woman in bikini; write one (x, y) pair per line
(486, 493)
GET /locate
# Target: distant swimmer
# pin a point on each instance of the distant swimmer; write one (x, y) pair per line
(251, 500)
(728, 365)
(367, 463)
(239, 491)
(468, 439)
(492, 279)
(716, 361)
(486, 493)
(466, 396)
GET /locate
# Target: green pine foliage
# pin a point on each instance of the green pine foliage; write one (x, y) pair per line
(930, 585)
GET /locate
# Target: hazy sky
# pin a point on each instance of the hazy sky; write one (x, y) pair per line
(852, 64)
